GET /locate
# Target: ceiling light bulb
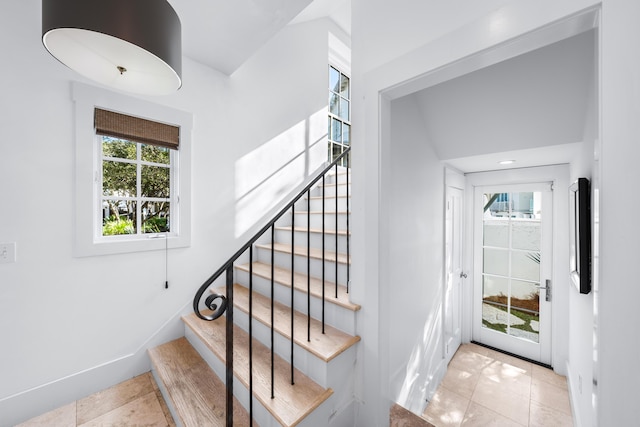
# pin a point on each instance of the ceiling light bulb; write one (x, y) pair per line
(506, 162)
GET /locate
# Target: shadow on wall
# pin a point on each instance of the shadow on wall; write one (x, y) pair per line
(419, 382)
(266, 175)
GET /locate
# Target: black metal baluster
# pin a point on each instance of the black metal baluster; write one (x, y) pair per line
(273, 232)
(336, 230)
(293, 226)
(308, 265)
(323, 236)
(251, 333)
(348, 234)
(229, 348)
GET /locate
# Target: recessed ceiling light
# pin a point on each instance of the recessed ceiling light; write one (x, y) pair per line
(506, 162)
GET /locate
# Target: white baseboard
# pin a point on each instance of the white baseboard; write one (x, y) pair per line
(573, 397)
(38, 400)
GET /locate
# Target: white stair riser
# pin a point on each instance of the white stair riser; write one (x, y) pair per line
(260, 414)
(300, 239)
(329, 204)
(337, 374)
(342, 177)
(334, 315)
(330, 190)
(312, 366)
(283, 260)
(316, 220)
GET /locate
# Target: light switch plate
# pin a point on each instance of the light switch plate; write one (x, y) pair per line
(7, 253)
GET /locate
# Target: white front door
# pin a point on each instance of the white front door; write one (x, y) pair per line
(512, 268)
(454, 275)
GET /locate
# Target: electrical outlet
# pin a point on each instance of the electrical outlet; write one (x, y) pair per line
(7, 253)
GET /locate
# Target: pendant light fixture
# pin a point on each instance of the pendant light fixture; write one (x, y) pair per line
(131, 45)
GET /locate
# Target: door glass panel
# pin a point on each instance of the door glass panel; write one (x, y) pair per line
(526, 234)
(495, 302)
(496, 233)
(525, 310)
(525, 266)
(496, 261)
(511, 263)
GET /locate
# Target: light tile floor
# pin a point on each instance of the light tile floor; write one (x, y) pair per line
(136, 402)
(483, 387)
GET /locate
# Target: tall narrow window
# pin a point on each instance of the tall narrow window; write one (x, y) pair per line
(339, 126)
(137, 175)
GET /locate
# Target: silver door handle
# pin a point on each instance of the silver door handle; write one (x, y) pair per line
(547, 288)
(463, 275)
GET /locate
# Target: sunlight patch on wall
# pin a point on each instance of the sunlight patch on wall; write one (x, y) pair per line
(425, 357)
(268, 174)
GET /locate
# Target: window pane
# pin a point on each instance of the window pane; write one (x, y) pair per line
(155, 154)
(155, 217)
(337, 150)
(336, 130)
(344, 109)
(155, 181)
(344, 86)
(525, 265)
(525, 235)
(496, 261)
(334, 104)
(334, 80)
(346, 134)
(496, 233)
(525, 308)
(118, 179)
(119, 148)
(494, 303)
(118, 217)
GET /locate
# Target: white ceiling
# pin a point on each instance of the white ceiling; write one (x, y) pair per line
(223, 34)
(531, 108)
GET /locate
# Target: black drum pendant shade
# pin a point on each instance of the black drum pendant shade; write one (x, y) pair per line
(131, 45)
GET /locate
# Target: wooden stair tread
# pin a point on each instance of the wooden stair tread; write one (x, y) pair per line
(302, 251)
(197, 394)
(283, 277)
(292, 403)
(325, 346)
(313, 230)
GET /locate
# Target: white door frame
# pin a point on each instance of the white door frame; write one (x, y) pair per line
(559, 176)
(541, 351)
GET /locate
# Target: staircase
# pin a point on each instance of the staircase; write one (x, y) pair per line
(317, 388)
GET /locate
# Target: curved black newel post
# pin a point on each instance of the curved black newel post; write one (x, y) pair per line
(324, 189)
(229, 344)
(293, 227)
(348, 233)
(336, 230)
(251, 332)
(273, 232)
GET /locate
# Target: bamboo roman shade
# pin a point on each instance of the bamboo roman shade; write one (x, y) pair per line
(108, 123)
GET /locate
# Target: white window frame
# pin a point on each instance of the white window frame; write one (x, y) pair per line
(173, 199)
(88, 166)
(333, 116)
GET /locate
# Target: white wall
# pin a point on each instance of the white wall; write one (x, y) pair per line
(617, 291)
(412, 196)
(581, 319)
(71, 326)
